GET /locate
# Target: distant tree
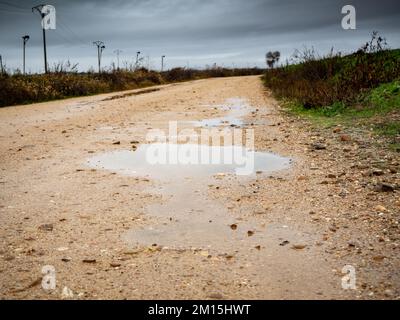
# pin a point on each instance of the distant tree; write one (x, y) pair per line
(272, 58)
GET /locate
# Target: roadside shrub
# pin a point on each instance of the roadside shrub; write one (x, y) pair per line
(20, 89)
(319, 82)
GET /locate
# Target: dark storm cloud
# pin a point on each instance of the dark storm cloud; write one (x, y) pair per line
(190, 31)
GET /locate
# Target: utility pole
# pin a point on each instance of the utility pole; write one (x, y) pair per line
(42, 15)
(25, 40)
(162, 63)
(100, 47)
(137, 59)
(1, 64)
(101, 52)
(117, 52)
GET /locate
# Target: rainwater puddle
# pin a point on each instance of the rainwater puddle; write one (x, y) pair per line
(190, 219)
(236, 109)
(179, 161)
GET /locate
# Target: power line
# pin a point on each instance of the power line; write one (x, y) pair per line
(64, 26)
(11, 11)
(63, 37)
(15, 9)
(13, 5)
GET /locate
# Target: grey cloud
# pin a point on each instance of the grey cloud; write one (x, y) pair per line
(201, 32)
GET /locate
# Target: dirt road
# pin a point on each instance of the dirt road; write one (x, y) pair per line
(284, 234)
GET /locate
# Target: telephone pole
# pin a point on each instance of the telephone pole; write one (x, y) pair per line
(42, 15)
(1, 64)
(137, 59)
(100, 47)
(162, 63)
(25, 40)
(118, 52)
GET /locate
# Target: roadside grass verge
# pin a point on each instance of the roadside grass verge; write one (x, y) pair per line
(377, 110)
(379, 101)
(360, 90)
(316, 82)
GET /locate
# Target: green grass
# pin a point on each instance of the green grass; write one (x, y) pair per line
(379, 101)
(383, 99)
(378, 109)
(390, 129)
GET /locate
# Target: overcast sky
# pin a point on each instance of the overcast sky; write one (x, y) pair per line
(189, 32)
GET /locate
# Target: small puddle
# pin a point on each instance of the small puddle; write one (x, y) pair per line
(236, 109)
(198, 161)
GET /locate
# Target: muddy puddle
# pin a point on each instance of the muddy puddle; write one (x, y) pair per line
(169, 162)
(235, 109)
(187, 218)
